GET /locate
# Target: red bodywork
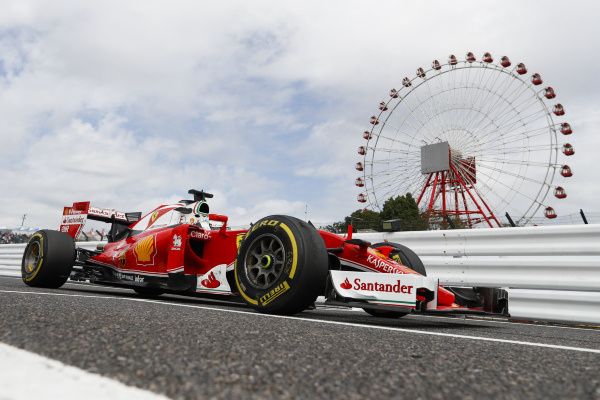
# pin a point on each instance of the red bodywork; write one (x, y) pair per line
(368, 259)
(152, 253)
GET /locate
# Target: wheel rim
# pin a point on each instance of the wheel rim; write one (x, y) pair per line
(264, 261)
(32, 258)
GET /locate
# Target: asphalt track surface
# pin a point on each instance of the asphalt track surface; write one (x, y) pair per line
(189, 348)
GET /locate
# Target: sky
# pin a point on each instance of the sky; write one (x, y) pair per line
(129, 105)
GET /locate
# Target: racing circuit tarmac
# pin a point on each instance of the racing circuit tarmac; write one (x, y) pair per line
(188, 348)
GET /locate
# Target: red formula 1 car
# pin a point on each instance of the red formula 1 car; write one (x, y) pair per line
(280, 265)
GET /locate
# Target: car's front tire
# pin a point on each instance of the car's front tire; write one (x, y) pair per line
(405, 256)
(281, 265)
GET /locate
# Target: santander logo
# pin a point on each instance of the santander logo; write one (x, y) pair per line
(211, 282)
(346, 285)
(379, 287)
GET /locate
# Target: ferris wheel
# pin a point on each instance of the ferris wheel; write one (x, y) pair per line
(470, 139)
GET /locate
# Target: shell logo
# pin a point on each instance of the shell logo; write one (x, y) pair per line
(145, 250)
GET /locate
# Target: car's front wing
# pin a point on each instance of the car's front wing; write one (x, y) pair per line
(409, 293)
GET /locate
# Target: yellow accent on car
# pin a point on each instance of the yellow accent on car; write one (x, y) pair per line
(248, 299)
(294, 249)
(239, 240)
(273, 294)
(41, 260)
(144, 249)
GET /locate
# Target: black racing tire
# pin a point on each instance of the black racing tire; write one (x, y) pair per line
(48, 259)
(405, 256)
(408, 258)
(281, 265)
(384, 313)
(148, 291)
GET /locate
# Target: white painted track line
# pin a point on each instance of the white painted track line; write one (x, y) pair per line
(26, 376)
(318, 321)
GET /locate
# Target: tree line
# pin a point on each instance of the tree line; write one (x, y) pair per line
(403, 208)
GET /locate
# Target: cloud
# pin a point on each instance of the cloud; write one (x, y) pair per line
(262, 103)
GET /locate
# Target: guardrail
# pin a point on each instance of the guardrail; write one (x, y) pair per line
(551, 273)
(11, 255)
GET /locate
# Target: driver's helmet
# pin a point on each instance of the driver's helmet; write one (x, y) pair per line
(200, 212)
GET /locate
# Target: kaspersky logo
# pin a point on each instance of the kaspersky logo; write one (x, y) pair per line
(381, 264)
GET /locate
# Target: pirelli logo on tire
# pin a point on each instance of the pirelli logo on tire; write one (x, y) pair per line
(273, 222)
(240, 238)
(274, 293)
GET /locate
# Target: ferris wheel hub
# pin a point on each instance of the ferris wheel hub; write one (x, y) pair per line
(455, 155)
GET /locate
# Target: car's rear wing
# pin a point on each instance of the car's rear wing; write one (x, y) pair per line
(74, 217)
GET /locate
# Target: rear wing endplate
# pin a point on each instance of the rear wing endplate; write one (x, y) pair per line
(74, 217)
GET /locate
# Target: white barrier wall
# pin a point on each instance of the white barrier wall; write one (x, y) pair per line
(551, 273)
(563, 240)
(11, 255)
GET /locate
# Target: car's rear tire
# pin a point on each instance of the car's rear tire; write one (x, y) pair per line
(48, 259)
(405, 256)
(281, 265)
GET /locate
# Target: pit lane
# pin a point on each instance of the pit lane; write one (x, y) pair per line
(194, 348)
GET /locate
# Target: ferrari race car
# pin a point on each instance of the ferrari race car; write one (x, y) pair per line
(280, 265)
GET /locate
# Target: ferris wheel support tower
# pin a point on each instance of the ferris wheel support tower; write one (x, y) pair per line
(450, 175)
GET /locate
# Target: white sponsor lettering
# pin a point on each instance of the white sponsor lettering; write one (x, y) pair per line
(127, 277)
(382, 265)
(94, 211)
(103, 212)
(73, 220)
(200, 235)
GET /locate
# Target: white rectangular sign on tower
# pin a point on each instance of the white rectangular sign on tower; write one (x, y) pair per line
(435, 158)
